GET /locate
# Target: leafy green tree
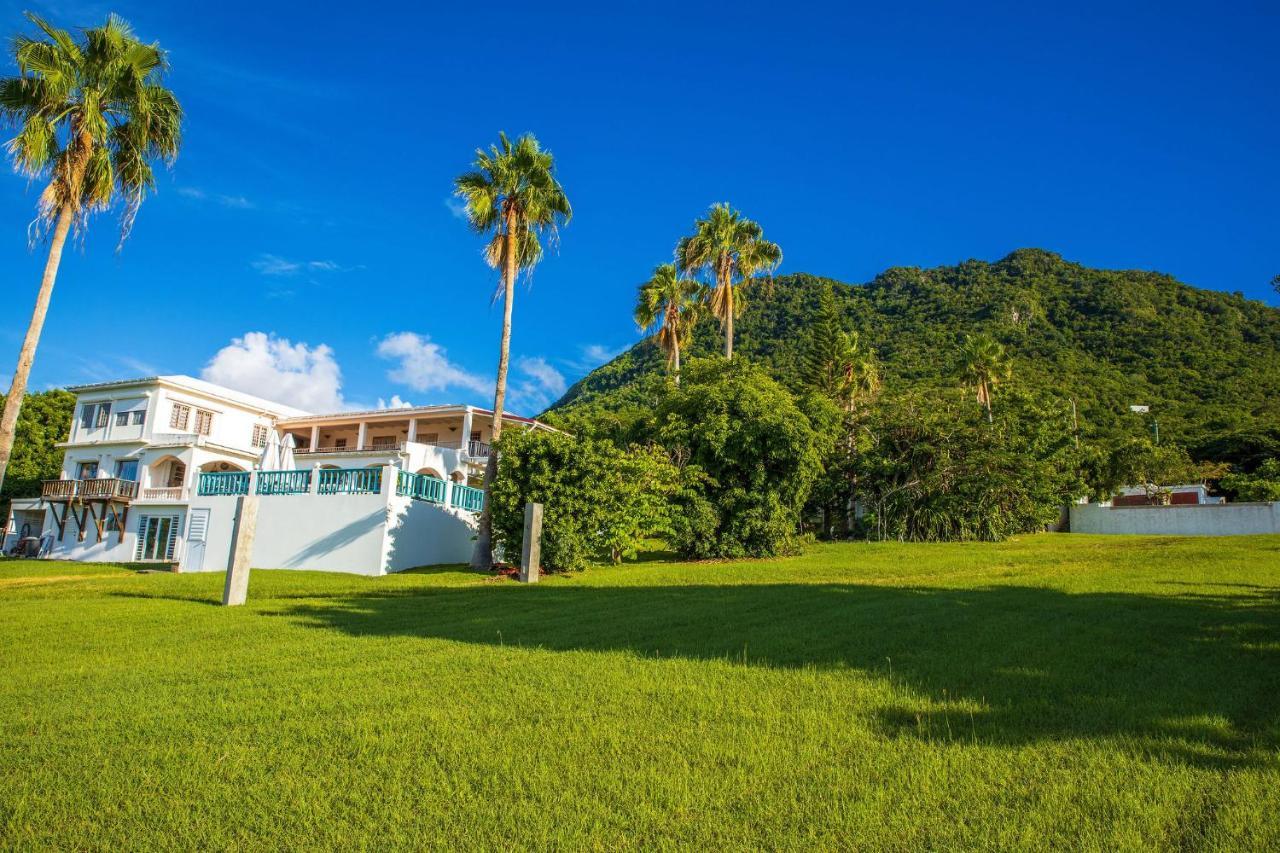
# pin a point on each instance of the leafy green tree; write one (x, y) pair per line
(749, 456)
(45, 421)
(983, 364)
(600, 502)
(933, 471)
(1262, 485)
(92, 115)
(835, 363)
(731, 249)
(669, 303)
(1275, 284)
(512, 194)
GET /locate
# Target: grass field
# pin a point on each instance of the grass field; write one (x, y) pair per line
(1095, 692)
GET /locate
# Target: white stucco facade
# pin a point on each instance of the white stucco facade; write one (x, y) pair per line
(154, 444)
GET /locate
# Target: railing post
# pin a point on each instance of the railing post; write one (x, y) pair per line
(389, 480)
(315, 479)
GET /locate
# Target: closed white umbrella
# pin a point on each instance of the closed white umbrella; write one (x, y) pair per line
(270, 458)
(286, 452)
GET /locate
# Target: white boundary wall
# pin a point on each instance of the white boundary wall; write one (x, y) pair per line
(358, 534)
(1183, 520)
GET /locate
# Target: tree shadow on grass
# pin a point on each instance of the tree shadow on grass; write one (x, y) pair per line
(1194, 677)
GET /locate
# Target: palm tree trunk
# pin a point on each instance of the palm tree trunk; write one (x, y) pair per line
(18, 388)
(482, 556)
(676, 364)
(728, 323)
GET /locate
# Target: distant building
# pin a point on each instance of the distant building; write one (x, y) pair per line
(1185, 495)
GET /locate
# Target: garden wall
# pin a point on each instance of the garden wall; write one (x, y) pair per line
(1196, 520)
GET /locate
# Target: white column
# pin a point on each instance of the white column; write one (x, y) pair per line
(315, 438)
(466, 429)
(315, 479)
(413, 429)
(361, 435)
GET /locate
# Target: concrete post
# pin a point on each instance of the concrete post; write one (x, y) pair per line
(314, 488)
(243, 533)
(531, 554)
(389, 480)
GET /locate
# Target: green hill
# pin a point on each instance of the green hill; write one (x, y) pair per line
(1206, 362)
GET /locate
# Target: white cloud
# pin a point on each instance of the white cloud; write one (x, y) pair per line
(425, 366)
(539, 385)
(591, 356)
(275, 265)
(238, 202)
(191, 192)
(278, 369)
(394, 403)
(268, 264)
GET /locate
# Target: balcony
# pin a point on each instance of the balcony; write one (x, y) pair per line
(392, 447)
(172, 493)
(107, 489)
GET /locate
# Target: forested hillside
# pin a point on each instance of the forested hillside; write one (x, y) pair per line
(1206, 362)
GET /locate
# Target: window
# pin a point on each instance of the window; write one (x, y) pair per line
(204, 422)
(259, 435)
(384, 442)
(340, 443)
(122, 418)
(180, 417)
(86, 416)
(104, 414)
(139, 416)
(87, 471)
(127, 469)
(475, 436)
(177, 474)
(157, 535)
(430, 438)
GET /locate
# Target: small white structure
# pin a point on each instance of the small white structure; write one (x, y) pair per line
(153, 468)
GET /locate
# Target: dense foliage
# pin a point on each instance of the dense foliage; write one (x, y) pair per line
(44, 421)
(599, 501)
(1206, 362)
(749, 456)
(1262, 485)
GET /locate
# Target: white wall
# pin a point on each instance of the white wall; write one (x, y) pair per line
(1187, 520)
(359, 534)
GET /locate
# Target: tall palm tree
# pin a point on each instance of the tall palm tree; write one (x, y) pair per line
(511, 193)
(91, 115)
(983, 365)
(669, 303)
(731, 249)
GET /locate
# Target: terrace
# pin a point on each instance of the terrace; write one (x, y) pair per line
(340, 481)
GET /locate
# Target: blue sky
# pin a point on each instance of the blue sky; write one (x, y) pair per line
(304, 246)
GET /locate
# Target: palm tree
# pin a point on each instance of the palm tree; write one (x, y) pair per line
(670, 304)
(983, 365)
(512, 193)
(834, 360)
(731, 250)
(91, 115)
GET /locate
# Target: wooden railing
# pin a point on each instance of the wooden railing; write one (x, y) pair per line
(108, 488)
(349, 481)
(394, 447)
(284, 482)
(223, 483)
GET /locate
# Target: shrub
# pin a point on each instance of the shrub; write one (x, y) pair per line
(749, 457)
(599, 501)
(1261, 485)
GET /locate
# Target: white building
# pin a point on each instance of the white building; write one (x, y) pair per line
(154, 467)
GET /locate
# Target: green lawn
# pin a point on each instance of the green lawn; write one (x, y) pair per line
(1097, 692)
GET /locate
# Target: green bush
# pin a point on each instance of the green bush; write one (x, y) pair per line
(1261, 485)
(749, 455)
(598, 501)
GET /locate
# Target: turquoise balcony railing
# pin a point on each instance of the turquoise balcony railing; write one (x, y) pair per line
(223, 483)
(284, 482)
(421, 487)
(465, 497)
(350, 481)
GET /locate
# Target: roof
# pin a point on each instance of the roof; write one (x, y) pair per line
(199, 386)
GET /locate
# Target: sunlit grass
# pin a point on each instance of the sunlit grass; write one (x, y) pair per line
(1096, 692)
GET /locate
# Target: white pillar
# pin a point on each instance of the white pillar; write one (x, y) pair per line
(361, 434)
(315, 438)
(315, 478)
(466, 429)
(413, 429)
